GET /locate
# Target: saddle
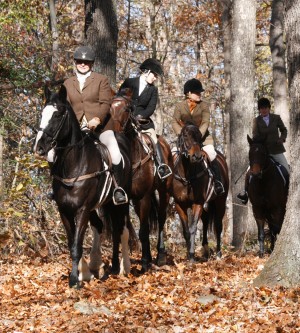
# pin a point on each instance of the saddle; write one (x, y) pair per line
(282, 171)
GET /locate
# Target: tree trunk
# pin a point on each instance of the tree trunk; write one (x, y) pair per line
(101, 29)
(283, 267)
(227, 31)
(279, 66)
(242, 101)
(55, 43)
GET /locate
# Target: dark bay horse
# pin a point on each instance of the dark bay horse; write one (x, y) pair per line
(149, 207)
(268, 192)
(193, 190)
(82, 183)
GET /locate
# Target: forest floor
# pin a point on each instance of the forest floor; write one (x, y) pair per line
(212, 296)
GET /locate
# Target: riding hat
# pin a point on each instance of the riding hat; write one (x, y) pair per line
(193, 86)
(152, 65)
(263, 103)
(84, 53)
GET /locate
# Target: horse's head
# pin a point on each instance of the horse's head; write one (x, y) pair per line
(258, 156)
(189, 143)
(120, 109)
(53, 120)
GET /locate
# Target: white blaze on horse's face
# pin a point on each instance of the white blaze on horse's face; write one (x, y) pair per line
(47, 114)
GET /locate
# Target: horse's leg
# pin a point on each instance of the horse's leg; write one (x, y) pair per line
(205, 221)
(261, 235)
(95, 254)
(218, 209)
(193, 218)
(125, 263)
(182, 212)
(142, 209)
(81, 220)
(161, 258)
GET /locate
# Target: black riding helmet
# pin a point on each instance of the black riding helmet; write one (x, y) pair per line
(84, 53)
(152, 65)
(263, 103)
(193, 86)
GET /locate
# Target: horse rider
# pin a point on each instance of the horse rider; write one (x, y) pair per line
(89, 94)
(267, 126)
(194, 110)
(144, 100)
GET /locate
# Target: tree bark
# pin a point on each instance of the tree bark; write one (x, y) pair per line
(227, 32)
(283, 266)
(55, 42)
(101, 30)
(242, 101)
(279, 66)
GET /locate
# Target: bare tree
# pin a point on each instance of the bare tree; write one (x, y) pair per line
(279, 66)
(101, 29)
(242, 101)
(283, 267)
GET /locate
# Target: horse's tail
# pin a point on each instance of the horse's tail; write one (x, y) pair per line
(211, 216)
(153, 215)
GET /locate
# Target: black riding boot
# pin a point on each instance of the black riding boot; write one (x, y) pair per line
(119, 194)
(163, 169)
(219, 188)
(243, 196)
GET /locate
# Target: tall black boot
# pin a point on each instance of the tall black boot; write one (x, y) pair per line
(243, 196)
(119, 194)
(219, 188)
(163, 169)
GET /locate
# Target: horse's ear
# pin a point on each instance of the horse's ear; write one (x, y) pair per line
(62, 93)
(47, 93)
(250, 141)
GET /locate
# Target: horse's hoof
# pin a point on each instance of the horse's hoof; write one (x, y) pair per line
(261, 254)
(161, 259)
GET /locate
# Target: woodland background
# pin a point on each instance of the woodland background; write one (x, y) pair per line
(229, 46)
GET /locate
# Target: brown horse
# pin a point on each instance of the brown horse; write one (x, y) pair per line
(268, 191)
(193, 190)
(149, 207)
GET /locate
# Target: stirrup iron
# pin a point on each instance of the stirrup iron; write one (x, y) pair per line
(123, 192)
(167, 170)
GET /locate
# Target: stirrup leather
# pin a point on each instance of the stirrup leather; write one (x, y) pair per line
(165, 168)
(123, 192)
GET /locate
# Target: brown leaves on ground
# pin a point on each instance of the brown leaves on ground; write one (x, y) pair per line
(216, 296)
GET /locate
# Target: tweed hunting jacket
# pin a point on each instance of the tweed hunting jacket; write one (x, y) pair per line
(144, 104)
(270, 133)
(93, 101)
(200, 117)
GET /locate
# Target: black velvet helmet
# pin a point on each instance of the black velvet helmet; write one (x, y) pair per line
(263, 103)
(193, 86)
(152, 65)
(84, 53)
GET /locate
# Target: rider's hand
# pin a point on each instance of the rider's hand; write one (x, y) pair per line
(93, 123)
(280, 141)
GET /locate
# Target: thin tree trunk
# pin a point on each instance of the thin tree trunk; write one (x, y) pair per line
(242, 101)
(283, 267)
(279, 66)
(55, 42)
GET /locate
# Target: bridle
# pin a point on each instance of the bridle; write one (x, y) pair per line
(59, 128)
(125, 108)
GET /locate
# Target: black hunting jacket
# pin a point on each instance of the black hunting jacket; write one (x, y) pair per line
(145, 104)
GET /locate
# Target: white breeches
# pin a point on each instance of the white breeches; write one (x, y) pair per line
(151, 132)
(109, 140)
(281, 159)
(210, 151)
